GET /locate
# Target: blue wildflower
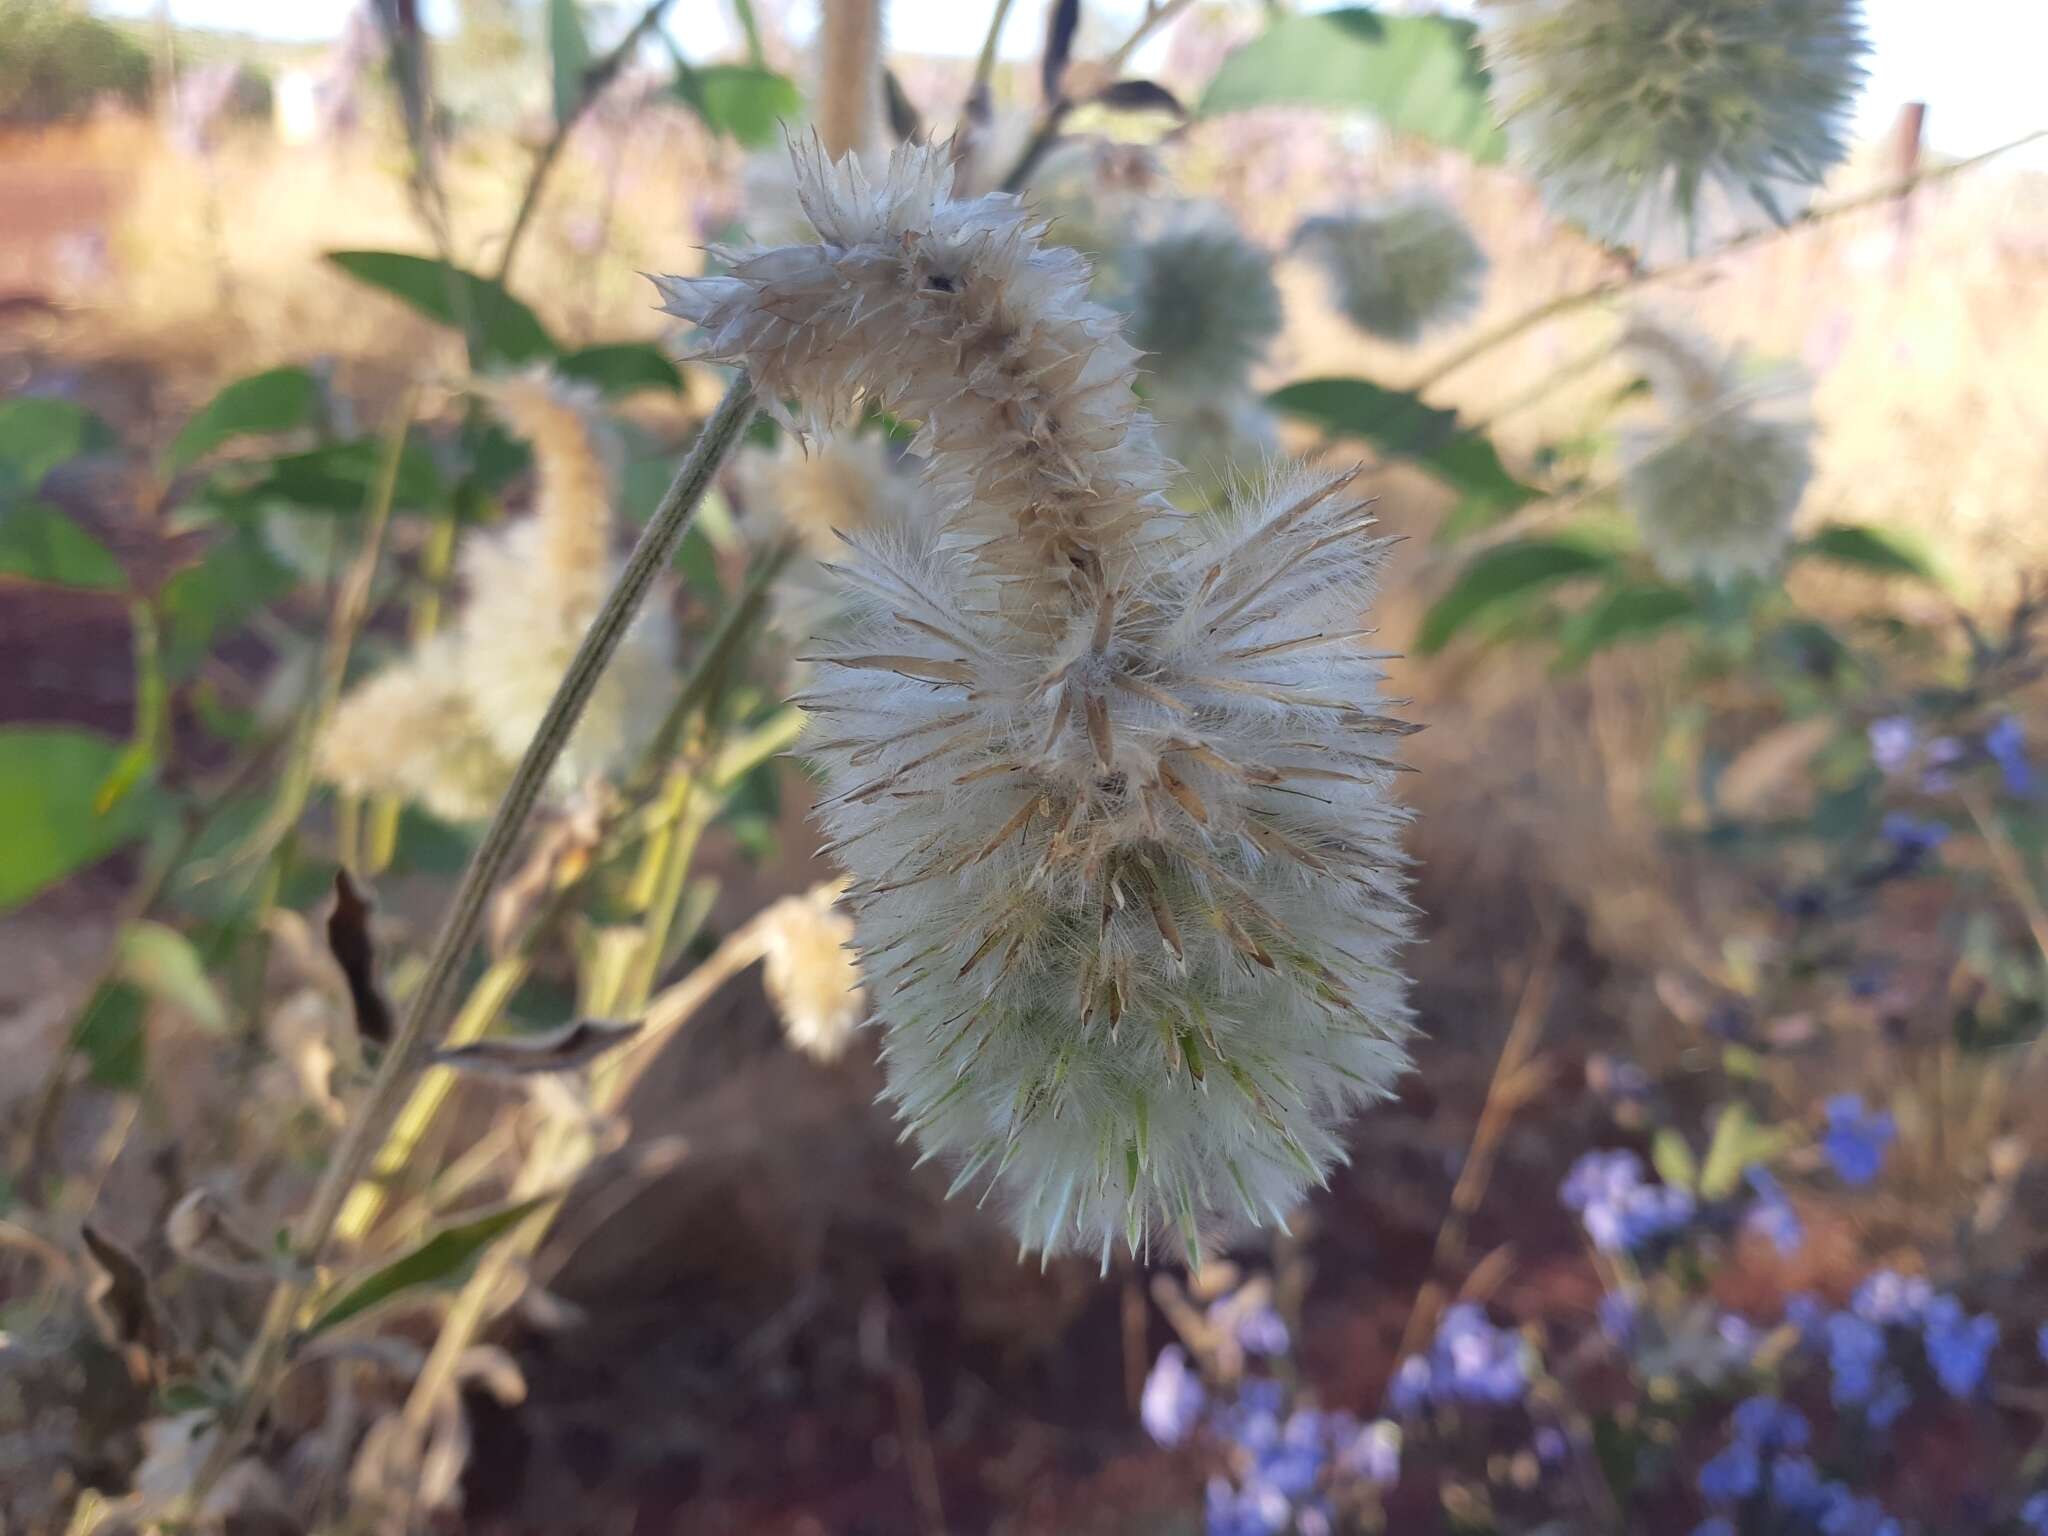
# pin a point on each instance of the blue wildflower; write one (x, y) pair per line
(1373, 1453)
(1856, 1352)
(1617, 1314)
(1958, 1345)
(2034, 1513)
(1794, 1485)
(2006, 743)
(1719, 1525)
(1294, 1461)
(1856, 1138)
(1731, 1476)
(1413, 1386)
(1485, 1363)
(1173, 1398)
(1892, 741)
(2041, 1342)
(1889, 1404)
(1619, 1209)
(1770, 1425)
(1846, 1514)
(1772, 1215)
(1804, 1311)
(1911, 839)
(1550, 1445)
(1889, 1298)
(1262, 1332)
(1255, 1510)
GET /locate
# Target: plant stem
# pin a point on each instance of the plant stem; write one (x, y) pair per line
(420, 1029)
(1568, 303)
(985, 61)
(595, 79)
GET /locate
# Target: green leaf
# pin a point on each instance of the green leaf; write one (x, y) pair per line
(337, 478)
(1500, 575)
(1623, 613)
(740, 100)
(111, 1038)
(37, 434)
(1738, 1143)
(161, 962)
(621, 368)
(211, 597)
(1419, 75)
(570, 49)
(50, 821)
(1871, 549)
(504, 329)
(40, 543)
(276, 401)
(1672, 1157)
(1400, 425)
(438, 1258)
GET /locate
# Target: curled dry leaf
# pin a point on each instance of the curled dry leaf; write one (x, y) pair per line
(348, 936)
(122, 1306)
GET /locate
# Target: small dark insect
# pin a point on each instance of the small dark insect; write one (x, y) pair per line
(348, 937)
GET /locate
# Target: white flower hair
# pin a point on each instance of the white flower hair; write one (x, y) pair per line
(1715, 478)
(1124, 855)
(1648, 119)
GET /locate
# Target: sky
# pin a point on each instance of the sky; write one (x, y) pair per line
(1976, 63)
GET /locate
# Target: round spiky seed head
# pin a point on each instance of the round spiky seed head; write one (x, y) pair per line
(1655, 123)
(811, 973)
(1203, 305)
(1715, 479)
(1400, 269)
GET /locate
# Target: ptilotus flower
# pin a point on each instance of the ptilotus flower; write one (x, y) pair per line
(1715, 479)
(839, 484)
(1203, 305)
(1400, 269)
(1645, 118)
(810, 971)
(1117, 816)
(446, 726)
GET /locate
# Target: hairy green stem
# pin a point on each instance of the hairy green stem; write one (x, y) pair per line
(420, 1030)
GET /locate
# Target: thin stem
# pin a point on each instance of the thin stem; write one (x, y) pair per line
(421, 1027)
(1608, 288)
(985, 61)
(595, 79)
(1157, 14)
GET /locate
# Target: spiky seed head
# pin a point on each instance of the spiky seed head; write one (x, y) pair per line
(1124, 854)
(1715, 478)
(811, 972)
(1655, 123)
(1400, 269)
(1202, 303)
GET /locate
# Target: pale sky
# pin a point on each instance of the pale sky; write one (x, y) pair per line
(1976, 63)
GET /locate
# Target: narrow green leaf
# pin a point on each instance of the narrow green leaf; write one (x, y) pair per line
(506, 331)
(111, 1037)
(1401, 426)
(1419, 75)
(1886, 552)
(37, 434)
(1672, 1157)
(1623, 613)
(1738, 1144)
(437, 1259)
(161, 962)
(569, 47)
(621, 368)
(42, 544)
(276, 401)
(740, 100)
(50, 778)
(214, 595)
(1502, 574)
(743, 11)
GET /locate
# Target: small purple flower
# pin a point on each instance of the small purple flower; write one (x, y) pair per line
(1912, 840)
(2006, 743)
(1294, 1462)
(1794, 1484)
(1803, 1310)
(1889, 1405)
(1857, 1138)
(2041, 1342)
(1414, 1384)
(1944, 754)
(1719, 1525)
(1889, 1298)
(1550, 1445)
(1845, 1514)
(1770, 1425)
(1373, 1453)
(1262, 1332)
(1731, 1476)
(1958, 1345)
(1485, 1363)
(1892, 740)
(1619, 1209)
(1617, 1313)
(1772, 1215)
(2034, 1514)
(1173, 1398)
(1252, 1511)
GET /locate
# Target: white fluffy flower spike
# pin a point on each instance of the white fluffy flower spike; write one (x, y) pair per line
(1123, 850)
